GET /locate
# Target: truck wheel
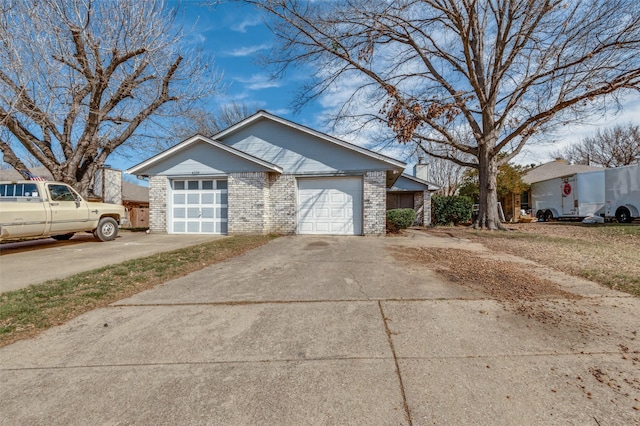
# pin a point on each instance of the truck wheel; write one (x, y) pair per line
(623, 215)
(64, 237)
(540, 216)
(107, 229)
(548, 216)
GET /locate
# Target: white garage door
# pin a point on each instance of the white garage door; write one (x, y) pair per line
(198, 207)
(330, 206)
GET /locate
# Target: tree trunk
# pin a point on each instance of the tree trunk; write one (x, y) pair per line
(83, 186)
(488, 217)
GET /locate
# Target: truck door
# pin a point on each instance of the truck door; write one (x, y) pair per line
(25, 215)
(569, 194)
(69, 212)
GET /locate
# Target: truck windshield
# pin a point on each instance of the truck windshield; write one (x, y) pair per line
(18, 190)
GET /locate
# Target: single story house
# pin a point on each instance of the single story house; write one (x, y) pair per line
(267, 174)
(409, 192)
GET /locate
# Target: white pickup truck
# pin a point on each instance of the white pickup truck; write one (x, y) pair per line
(54, 209)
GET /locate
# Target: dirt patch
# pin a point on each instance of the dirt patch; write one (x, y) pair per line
(517, 285)
(603, 254)
(504, 281)
(508, 282)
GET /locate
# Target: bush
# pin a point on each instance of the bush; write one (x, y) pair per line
(400, 219)
(451, 210)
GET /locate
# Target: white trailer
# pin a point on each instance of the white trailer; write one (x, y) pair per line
(569, 197)
(622, 193)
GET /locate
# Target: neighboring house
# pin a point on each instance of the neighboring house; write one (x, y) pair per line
(267, 174)
(516, 202)
(413, 192)
(135, 198)
(12, 174)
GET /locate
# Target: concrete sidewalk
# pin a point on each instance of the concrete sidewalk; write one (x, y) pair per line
(332, 331)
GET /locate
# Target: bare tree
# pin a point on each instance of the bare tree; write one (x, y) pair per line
(612, 147)
(208, 123)
(448, 175)
(81, 78)
(481, 76)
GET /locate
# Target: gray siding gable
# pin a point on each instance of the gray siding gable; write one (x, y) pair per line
(298, 152)
(410, 183)
(202, 158)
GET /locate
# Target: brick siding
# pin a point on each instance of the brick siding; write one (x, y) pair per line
(158, 188)
(263, 202)
(374, 199)
(422, 203)
(247, 195)
(427, 208)
(281, 215)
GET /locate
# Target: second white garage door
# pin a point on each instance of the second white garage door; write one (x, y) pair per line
(330, 206)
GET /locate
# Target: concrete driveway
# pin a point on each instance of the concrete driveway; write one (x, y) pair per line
(331, 331)
(36, 261)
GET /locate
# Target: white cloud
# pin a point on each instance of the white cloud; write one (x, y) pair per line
(245, 51)
(258, 82)
(195, 38)
(541, 152)
(251, 21)
(278, 111)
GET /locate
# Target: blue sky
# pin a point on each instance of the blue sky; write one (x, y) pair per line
(235, 35)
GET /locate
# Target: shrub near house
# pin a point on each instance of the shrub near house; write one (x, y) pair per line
(452, 210)
(400, 219)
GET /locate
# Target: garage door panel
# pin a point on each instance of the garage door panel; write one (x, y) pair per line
(199, 206)
(339, 213)
(322, 227)
(193, 213)
(321, 213)
(339, 198)
(330, 206)
(207, 213)
(339, 228)
(305, 228)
